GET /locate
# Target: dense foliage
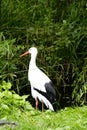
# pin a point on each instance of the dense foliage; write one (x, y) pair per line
(59, 30)
(10, 101)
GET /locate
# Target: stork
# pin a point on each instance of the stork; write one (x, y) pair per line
(42, 88)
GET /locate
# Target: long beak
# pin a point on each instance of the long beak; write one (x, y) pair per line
(27, 52)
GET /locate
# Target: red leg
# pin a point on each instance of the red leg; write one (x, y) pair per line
(36, 103)
(42, 106)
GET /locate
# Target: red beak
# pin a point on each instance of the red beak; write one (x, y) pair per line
(27, 52)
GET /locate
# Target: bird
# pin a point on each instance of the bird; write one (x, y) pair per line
(42, 88)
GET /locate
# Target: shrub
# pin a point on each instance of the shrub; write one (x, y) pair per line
(10, 101)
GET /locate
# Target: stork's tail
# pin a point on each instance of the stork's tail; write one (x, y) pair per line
(54, 105)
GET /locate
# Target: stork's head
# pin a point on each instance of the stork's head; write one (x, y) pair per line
(33, 51)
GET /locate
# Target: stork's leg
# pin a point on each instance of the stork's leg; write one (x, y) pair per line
(42, 106)
(37, 103)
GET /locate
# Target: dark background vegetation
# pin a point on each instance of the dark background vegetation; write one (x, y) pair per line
(58, 28)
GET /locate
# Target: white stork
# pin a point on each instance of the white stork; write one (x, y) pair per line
(41, 86)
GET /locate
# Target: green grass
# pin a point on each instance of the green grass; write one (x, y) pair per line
(64, 119)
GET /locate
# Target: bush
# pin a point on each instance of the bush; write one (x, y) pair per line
(10, 101)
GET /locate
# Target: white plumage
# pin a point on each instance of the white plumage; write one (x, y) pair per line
(41, 86)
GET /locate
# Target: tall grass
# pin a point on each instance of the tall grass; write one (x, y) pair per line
(59, 32)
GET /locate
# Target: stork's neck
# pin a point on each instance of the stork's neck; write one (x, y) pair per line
(32, 64)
